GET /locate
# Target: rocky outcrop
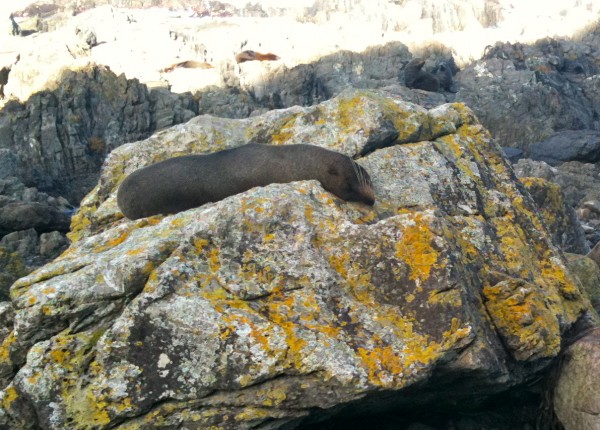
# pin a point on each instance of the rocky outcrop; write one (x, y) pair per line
(57, 140)
(580, 185)
(544, 88)
(285, 304)
(588, 273)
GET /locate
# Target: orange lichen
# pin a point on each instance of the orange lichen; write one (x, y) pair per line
(111, 243)
(415, 249)
(522, 318)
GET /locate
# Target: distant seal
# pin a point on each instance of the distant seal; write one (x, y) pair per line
(189, 64)
(444, 72)
(414, 77)
(249, 55)
(189, 181)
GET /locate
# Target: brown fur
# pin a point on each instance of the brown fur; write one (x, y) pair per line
(189, 64)
(186, 182)
(254, 56)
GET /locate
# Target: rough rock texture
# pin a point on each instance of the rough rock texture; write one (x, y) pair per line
(32, 230)
(285, 303)
(577, 391)
(525, 93)
(595, 254)
(588, 273)
(580, 183)
(571, 145)
(58, 139)
(25, 250)
(559, 216)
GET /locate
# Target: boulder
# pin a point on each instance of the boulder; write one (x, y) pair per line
(559, 216)
(588, 273)
(285, 305)
(577, 392)
(580, 186)
(568, 145)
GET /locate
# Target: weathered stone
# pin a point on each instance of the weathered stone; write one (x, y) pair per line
(525, 93)
(577, 390)
(588, 273)
(579, 183)
(595, 254)
(58, 139)
(12, 267)
(283, 301)
(18, 215)
(7, 316)
(559, 216)
(570, 145)
(51, 244)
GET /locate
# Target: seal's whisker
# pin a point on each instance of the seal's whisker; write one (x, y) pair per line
(355, 171)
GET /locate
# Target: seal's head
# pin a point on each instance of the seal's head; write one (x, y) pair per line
(351, 183)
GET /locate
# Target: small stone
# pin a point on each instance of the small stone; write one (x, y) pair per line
(52, 244)
(593, 205)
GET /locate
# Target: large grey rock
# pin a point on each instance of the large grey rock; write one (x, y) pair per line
(569, 145)
(284, 302)
(588, 273)
(27, 215)
(15, 216)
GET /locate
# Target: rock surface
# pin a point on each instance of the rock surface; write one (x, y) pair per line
(57, 140)
(588, 273)
(580, 184)
(571, 145)
(559, 216)
(32, 230)
(577, 394)
(285, 304)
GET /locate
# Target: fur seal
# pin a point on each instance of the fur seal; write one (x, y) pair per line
(414, 77)
(444, 72)
(253, 55)
(189, 64)
(186, 182)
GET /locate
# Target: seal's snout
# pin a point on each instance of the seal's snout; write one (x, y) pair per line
(366, 195)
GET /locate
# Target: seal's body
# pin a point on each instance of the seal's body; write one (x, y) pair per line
(189, 64)
(189, 181)
(414, 77)
(249, 55)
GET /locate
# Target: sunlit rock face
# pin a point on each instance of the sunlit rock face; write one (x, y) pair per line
(285, 303)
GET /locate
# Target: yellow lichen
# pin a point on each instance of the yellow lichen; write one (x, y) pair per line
(521, 316)
(10, 395)
(415, 249)
(111, 243)
(7, 342)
